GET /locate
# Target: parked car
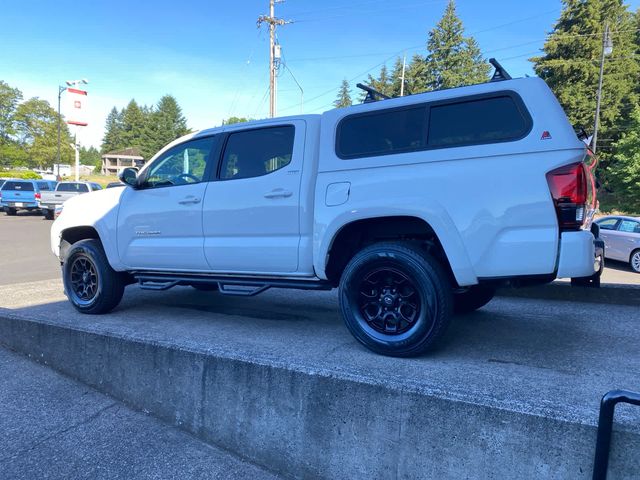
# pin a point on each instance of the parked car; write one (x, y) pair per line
(413, 207)
(115, 184)
(621, 236)
(22, 194)
(63, 192)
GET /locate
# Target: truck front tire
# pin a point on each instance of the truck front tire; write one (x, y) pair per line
(396, 299)
(90, 283)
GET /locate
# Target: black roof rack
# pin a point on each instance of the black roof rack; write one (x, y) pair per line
(372, 94)
(500, 73)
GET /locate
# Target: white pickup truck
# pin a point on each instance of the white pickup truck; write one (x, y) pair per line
(414, 207)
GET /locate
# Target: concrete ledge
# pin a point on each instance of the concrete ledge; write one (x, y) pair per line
(608, 293)
(316, 422)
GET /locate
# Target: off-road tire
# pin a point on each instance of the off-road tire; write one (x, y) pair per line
(424, 274)
(109, 284)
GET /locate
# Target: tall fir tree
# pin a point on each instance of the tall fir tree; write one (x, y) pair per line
(113, 140)
(453, 59)
(571, 64)
(344, 95)
(624, 174)
(133, 126)
(166, 123)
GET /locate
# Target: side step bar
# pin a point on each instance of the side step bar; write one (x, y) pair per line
(241, 286)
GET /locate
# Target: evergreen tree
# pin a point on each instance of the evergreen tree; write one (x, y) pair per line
(165, 124)
(91, 156)
(624, 175)
(113, 140)
(571, 63)
(453, 60)
(133, 126)
(344, 96)
(417, 79)
(383, 84)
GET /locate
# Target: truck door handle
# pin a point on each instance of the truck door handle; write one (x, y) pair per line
(278, 193)
(189, 201)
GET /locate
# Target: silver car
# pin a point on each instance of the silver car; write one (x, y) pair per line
(621, 237)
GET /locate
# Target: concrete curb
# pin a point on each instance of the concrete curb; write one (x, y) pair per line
(307, 423)
(607, 294)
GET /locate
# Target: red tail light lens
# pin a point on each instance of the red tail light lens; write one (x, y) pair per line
(568, 186)
(38, 196)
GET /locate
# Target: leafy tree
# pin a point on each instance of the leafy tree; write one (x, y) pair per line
(113, 140)
(37, 133)
(90, 156)
(624, 174)
(9, 100)
(344, 96)
(571, 62)
(453, 60)
(232, 120)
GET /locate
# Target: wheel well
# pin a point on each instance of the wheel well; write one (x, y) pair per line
(75, 234)
(354, 236)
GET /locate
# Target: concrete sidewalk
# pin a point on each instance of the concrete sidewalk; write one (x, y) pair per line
(55, 428)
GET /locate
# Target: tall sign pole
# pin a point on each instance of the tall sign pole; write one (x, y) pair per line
(274, 54)
(607, 49)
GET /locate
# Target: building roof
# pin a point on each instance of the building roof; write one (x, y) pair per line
(126, 152)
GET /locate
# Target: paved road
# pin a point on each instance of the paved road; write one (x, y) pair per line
(25, 255)
(54, 427)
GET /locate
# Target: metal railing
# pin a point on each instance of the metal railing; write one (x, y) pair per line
(605, 427)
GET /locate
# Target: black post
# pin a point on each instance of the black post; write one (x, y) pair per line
(605, 427)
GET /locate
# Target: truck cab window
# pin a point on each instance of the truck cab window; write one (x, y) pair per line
(253, 153)
(182, 165)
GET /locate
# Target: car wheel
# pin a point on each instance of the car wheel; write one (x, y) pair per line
(475, 297)
(10, 211)
(90, 283)
(592, 281)
(48, 214)
(634, 261)
(396, 299)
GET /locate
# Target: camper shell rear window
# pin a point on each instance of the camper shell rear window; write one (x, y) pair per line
(472, 120)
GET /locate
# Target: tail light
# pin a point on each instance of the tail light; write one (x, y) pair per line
(568, 186)
(38, 196)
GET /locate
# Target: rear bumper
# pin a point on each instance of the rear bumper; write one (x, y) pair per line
(579, 254)
(25, 205)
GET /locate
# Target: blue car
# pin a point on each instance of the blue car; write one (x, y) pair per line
(22, 194)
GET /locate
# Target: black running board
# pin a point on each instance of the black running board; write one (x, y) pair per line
(239, 286)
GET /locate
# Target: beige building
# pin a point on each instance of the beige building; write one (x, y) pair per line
(114, 162)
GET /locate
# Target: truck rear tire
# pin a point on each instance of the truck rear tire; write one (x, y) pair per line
(10, 211)
(48, 214)
(396, 299)
(475, 297)
(90, 283)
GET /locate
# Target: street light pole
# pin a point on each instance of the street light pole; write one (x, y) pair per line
(607, 48)
(60, 90)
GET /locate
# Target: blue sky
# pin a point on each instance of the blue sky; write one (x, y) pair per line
(212, 58)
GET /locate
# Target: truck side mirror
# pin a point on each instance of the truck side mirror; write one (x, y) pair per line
(129, 176)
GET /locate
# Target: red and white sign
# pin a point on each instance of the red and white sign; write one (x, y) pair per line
(76, 112)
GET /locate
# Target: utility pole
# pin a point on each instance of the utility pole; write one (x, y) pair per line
(404, 66)
(274, 53)
(607, 49)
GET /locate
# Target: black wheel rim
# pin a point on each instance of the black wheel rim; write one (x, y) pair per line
(389, 301)
(84, 279)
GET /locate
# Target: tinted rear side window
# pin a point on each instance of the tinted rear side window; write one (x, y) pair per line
(20, 186)
(43, 186)
(478, 121)
(72, 187)
(380, 133)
